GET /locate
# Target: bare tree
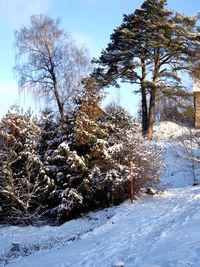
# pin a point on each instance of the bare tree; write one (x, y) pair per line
(49, 63)
(191, 146)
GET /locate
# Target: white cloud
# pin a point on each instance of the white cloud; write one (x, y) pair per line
(15, 13)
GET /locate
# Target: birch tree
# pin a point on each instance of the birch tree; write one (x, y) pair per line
(49, 62)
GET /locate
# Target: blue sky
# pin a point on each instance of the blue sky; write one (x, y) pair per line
(89, 21)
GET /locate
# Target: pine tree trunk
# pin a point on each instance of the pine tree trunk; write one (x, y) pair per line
(144, 112)
(152, 103)
(144, 99)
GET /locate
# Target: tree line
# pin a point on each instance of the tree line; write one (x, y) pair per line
(153, 48)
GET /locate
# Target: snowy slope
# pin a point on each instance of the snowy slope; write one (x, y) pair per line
(178, 170)
(155, 231)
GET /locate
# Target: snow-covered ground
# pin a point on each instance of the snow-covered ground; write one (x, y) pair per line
(155, 231)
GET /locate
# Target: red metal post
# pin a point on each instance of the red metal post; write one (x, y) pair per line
(131, 182)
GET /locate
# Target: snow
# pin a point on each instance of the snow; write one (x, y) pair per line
(196, 86)
(170, 131)
(155, 231)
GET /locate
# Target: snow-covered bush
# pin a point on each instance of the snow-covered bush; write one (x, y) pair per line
(145, 157)
(50, 136)
(125, 146)
(64, 169)
(116, 117)
(24, 186)
(83, 149)
(89, 159)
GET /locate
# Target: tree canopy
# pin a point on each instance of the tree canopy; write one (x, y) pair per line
(150, 48)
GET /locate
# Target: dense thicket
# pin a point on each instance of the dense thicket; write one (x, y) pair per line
(53, 171)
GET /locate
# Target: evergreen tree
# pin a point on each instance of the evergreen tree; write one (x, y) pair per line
(24, 186)
(50, 136)
(150, 48)
(117, 116)
(195, 61)
(79, 157)
(87, 112)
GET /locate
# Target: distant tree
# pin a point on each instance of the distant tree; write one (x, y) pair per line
(49, 63)
(176, 109)
(150, 48)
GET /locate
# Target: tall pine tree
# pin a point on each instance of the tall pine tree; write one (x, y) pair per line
(150, 48)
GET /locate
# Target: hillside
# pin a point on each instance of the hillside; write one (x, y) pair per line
(160, 230)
